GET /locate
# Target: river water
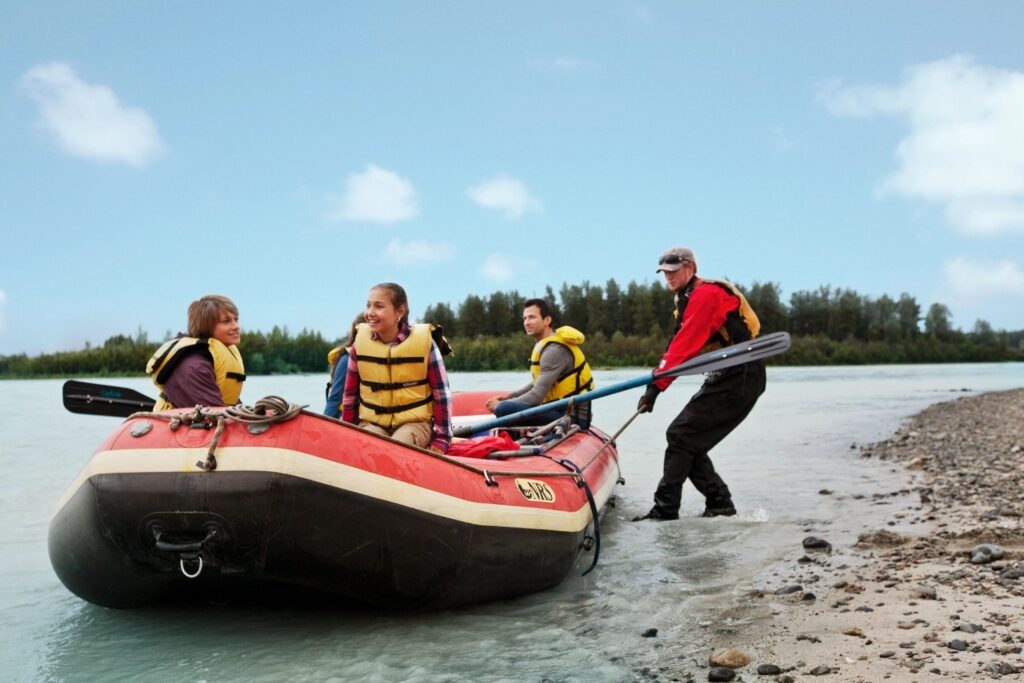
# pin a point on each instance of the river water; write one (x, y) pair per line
(678, 577)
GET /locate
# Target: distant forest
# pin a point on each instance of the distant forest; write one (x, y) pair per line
(624, 327)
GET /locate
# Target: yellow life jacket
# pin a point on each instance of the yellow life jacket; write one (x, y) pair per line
(394, 388)
(227, 366)
(578, 379)
(740, 325)
(334, 355)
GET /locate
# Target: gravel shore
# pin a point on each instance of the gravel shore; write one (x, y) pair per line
(938, 594)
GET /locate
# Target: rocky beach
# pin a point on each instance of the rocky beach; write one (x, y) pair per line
(936, 594)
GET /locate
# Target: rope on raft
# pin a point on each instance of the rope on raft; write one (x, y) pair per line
(266, 411)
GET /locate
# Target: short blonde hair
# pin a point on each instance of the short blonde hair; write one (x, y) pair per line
(204, 314)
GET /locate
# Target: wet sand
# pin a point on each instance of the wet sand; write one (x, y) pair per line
(909, 601)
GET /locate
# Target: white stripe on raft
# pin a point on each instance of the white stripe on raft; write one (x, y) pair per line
(305, 466)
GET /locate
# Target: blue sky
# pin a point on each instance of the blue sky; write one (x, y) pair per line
(291, 155)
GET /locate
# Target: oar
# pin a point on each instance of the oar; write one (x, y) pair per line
(762, 347)
(100, 399)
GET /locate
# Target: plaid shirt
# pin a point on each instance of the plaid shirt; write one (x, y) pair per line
(437, 377)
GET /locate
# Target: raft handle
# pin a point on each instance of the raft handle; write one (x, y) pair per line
(199, 568)
(191, 547)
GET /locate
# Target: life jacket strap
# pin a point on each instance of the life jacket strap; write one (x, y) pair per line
(394, 360)
(391, 410)
(387, 386)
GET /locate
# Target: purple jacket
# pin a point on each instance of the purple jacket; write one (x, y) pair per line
(193, 383)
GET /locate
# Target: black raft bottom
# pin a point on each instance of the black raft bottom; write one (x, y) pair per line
(276, 539)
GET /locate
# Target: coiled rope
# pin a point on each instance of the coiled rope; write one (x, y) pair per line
(266, 411)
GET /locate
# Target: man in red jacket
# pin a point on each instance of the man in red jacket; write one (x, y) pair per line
(710, 314)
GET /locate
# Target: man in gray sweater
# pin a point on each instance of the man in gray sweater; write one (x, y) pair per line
(558, 367)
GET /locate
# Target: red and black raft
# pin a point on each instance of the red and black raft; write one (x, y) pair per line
(314, 505)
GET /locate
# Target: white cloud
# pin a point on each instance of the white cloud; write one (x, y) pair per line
(965, 145)
(88, 120)
(416, 253)
(376, 196)
(503, 267)
(505, 194)
(971, 282)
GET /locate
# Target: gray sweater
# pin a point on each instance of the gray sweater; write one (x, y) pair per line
(555, 361)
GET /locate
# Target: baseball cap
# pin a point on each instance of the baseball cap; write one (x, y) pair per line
(673, 259)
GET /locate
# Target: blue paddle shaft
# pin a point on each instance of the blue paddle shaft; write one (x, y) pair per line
(761, 347)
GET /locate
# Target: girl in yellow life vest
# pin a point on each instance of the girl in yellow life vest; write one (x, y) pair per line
(205, 366)
(396, 375)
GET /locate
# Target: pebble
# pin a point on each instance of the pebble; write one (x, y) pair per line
(820, 670)
(768, 670)
(969, 628)
(924, 592)
(1013, 573)
(729, 658)
(721, 674)
(957, 645)
(1001, 668)
(985, 553)
(649, 633)
(815, 543)
(789, 590)
(887, 654)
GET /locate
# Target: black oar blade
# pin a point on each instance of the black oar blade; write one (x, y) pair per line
(762, 347)
(100, 399)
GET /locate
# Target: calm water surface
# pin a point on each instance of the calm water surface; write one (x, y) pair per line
(669, 576)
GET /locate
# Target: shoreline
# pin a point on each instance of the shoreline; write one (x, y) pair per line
(905, 602)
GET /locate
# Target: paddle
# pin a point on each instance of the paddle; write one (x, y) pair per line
(99, 399)
(762, 347)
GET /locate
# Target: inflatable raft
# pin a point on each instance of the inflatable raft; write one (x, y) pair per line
(216, 502)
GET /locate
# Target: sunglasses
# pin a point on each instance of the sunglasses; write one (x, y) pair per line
(671, 260)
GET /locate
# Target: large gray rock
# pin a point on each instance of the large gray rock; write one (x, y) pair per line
(985, 553)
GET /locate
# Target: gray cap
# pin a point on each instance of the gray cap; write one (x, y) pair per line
(674, 258)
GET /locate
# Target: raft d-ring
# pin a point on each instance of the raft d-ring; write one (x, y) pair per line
(489, 479)
(199, 569)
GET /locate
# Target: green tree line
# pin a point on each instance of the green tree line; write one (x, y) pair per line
(625, 326)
